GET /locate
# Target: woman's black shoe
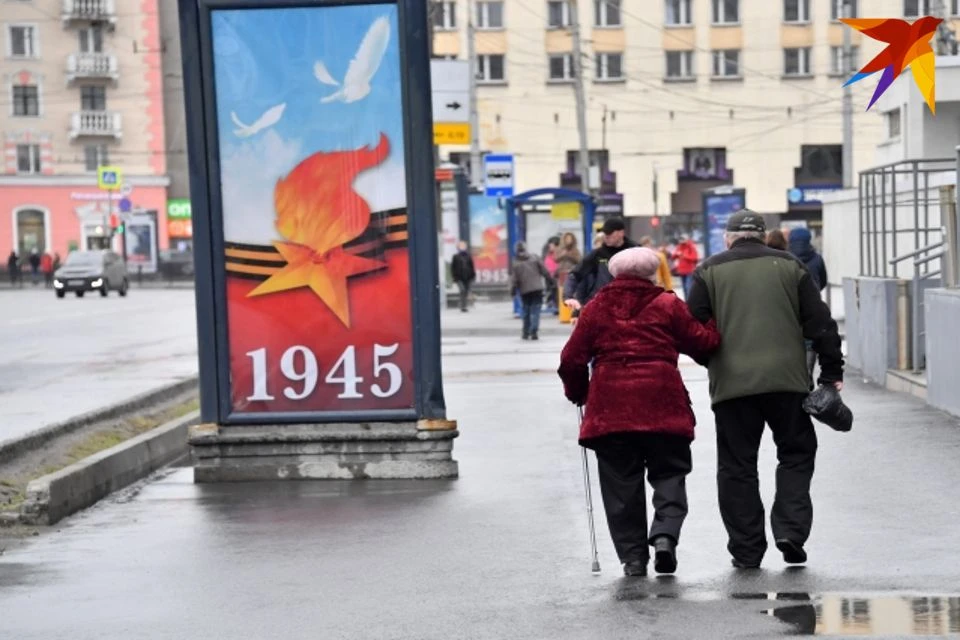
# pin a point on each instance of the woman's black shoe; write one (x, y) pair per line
(635, 568)
(665, 558)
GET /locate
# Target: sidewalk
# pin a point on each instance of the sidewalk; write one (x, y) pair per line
(501, 552)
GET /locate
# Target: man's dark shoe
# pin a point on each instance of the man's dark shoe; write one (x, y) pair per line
(526, 337)
(534, 337)
(665, 554)
(740, 564)
(793, 552)
(635, 568)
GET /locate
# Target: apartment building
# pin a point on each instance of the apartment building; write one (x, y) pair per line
(684, 94)
(81, 88)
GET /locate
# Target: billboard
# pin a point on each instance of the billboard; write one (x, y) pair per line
(488, 240)
(718, 205)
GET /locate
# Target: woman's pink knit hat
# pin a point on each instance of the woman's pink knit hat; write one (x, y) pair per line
(638, 262)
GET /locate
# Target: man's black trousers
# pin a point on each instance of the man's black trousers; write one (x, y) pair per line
(740, 425)
(622, 460)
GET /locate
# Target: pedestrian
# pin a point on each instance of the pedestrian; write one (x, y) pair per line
(765, 304)
(686, 257)
(56, 262)
(464, 274)
(664, 279)
(35, 265)
(528, 279)
(776, 240)
(638, 417)
(550, 262)
(13, 269)
(587, 279)
(802, 247)
(46, 267)
(568, 256)
(598, 241)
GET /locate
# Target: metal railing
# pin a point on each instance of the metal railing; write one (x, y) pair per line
(900, 209)
(922, 258)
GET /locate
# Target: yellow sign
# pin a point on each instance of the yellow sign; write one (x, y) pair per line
(110, 178)
(451, 133)
(565, 211)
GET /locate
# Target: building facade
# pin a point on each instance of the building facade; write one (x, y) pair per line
(82, 88)
(681, 95)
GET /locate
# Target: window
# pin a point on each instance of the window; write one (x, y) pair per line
(95, 155)
(490, 15)
(726, 63)
(490, 68)
(796, 11)
(607, 13)
(837, 67)
(796, 62)
(678, 12)
(916, 8)
(23, 41)
(558, 14)
(955, 8)
(28, 158)
(836, 8)
(444, 16)
(26, 100)
(609, 66)
(561, 67)
(679, 65)
(91, 39)
(93, 99)
(726, 11)
(893, 124)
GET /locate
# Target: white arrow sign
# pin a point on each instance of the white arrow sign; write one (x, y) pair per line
(450, 80)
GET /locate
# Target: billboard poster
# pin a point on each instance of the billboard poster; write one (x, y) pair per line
(717, 209)
(488, 240)
(140, 237)
(313, 181)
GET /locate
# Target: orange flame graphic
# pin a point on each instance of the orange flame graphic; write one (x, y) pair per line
(317, 213)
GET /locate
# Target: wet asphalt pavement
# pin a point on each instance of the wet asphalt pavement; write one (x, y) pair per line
(502, 552)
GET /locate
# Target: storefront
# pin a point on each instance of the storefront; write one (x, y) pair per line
(61, 214)
(180, 225)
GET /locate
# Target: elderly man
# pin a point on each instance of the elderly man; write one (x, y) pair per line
(765, 304)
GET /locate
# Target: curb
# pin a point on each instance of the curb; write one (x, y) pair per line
(33, 441)
(63, 493)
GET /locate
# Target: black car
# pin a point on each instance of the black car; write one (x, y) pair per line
(83, 271)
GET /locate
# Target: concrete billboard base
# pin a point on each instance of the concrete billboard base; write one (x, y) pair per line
(362, 451)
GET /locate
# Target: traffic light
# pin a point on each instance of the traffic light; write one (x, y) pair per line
(119, 228)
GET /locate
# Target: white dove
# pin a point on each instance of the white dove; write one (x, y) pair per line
(356, 82)
(269, 118)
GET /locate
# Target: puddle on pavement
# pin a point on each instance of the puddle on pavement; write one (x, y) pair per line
(882, 615)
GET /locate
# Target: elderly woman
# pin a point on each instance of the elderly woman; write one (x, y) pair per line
(638, 417)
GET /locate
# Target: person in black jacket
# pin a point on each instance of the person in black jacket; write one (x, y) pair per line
(802, 248)
(464, 273)
(592, 274)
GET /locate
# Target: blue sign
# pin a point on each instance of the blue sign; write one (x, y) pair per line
(717, 209)
(498, 175)
(810, 194)
(125, 205)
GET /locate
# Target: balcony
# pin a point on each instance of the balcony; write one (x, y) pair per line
(100, 124)
(90, 11)
(92, 66)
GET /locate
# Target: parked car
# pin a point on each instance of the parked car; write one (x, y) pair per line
(83, 271)
(176, 265)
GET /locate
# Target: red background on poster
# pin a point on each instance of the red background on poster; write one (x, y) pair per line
(380, 315)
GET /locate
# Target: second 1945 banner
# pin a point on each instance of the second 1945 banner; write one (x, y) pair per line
(313, 186)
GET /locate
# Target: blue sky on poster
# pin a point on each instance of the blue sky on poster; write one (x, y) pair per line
(266, 57)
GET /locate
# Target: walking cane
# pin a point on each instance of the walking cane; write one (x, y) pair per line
(589, 494)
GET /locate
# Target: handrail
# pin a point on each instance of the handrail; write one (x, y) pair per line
(905, 256)
(930, 258)
(909, 161)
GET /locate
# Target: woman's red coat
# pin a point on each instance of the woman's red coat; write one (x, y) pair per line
(631, 334)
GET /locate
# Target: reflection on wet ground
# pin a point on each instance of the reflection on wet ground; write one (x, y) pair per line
(882, 615)
(897, 615)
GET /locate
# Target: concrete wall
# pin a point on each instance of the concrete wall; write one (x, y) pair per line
(943, 349)
(872, 326)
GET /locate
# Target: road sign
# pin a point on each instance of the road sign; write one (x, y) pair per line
(450, 81)
(125, 205)
(451, 133)
(498, 175)
(110, 178)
